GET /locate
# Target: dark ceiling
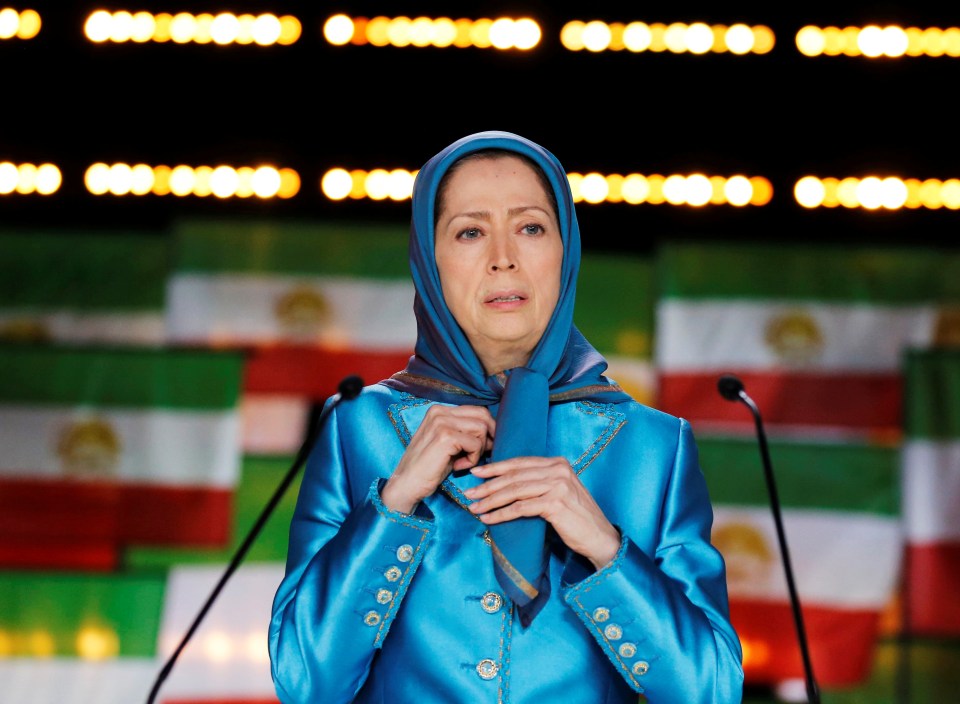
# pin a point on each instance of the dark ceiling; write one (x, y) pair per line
(311, 106)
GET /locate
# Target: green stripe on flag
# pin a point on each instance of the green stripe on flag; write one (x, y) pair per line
(75, 615)
(260, 477)
(839, 477)
(121, 377)
(218, 246)
(615, 304)
(808, 272)
(932, 394)
(83, 271)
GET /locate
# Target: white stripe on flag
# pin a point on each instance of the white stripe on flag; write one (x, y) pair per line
(931, 490)
(75, 681)
(846, 560)
(227, 655)
(101, 327)
(273, 424)
(192, 448)
(347, 312)
(699, 335)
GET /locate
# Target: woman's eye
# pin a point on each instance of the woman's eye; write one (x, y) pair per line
(470, 233)
(532, 229)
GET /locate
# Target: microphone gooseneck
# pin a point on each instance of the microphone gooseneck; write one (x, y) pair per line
(732, 389)
(348, 389)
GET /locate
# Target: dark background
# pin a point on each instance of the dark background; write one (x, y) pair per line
(312, 106)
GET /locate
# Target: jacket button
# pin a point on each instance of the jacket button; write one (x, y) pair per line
(392, 574)
(404, 553)
(641, 667)
(601, 614)
(487, 669)
(627, 650)
(372, 618)
(384, 596)
(613, 632)
(491, 602)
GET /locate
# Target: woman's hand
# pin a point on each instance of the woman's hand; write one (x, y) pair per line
(450, 438)
(549, 488)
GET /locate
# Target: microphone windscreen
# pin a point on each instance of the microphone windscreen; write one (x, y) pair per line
(730, 387)
(350, 388)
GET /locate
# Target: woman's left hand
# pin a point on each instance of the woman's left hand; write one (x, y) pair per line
(549, 488)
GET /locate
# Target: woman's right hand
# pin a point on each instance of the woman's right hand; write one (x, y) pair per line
(449, 438)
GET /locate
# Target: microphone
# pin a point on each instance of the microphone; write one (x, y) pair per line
(348, 389)
(731, 388)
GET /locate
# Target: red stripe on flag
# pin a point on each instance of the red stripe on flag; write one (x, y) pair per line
(932, 578)
(152, 514)
(851, 401)
(90, 556)
(55, 523)
(316, 372)
(840, 642)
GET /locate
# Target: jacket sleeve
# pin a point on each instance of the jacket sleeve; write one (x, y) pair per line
(663, 619)
(349, 564)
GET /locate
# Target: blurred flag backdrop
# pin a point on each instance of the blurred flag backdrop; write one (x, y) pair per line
(157, 385)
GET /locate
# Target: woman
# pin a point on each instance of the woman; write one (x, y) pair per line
(499, 522)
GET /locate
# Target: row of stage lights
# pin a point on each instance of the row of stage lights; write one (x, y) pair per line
(338, 184)
(871, 41)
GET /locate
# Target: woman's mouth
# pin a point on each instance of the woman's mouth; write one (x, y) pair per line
(506, 299)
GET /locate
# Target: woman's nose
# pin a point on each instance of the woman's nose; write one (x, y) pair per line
(503, 256)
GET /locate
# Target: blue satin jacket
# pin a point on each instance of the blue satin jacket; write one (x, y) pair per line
(379, 606)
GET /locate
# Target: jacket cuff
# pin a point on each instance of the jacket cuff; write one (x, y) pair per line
(404, 546)
(600, 602)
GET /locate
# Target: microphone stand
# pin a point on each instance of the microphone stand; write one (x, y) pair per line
(731, 388)
(348, 389)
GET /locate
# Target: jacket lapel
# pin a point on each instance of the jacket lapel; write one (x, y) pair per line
(578, 431)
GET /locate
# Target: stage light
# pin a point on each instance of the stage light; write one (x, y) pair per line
(596, 36)
(97, 643)
(43, 179)
(19, 25)
(676, 37)
(222, 181)
(40, 644)
(217, 647)
(336, 184)
(183, 27)
(693, 190)
(376, 184)
(593, 188)
(876, 42)
(503, 33)
(877, 193)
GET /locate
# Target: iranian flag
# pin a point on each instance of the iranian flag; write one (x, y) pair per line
(931, 492)
(82, 288)
(309, 304)
(840, 510)
(80, 637)
(105, 447)
(816, 333)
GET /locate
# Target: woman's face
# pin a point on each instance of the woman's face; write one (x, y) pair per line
(499, 255)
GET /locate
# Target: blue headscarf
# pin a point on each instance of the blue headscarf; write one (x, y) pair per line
(562, 367)
(444, 366)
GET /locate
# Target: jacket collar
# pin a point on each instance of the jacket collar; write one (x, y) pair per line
(596, 424)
